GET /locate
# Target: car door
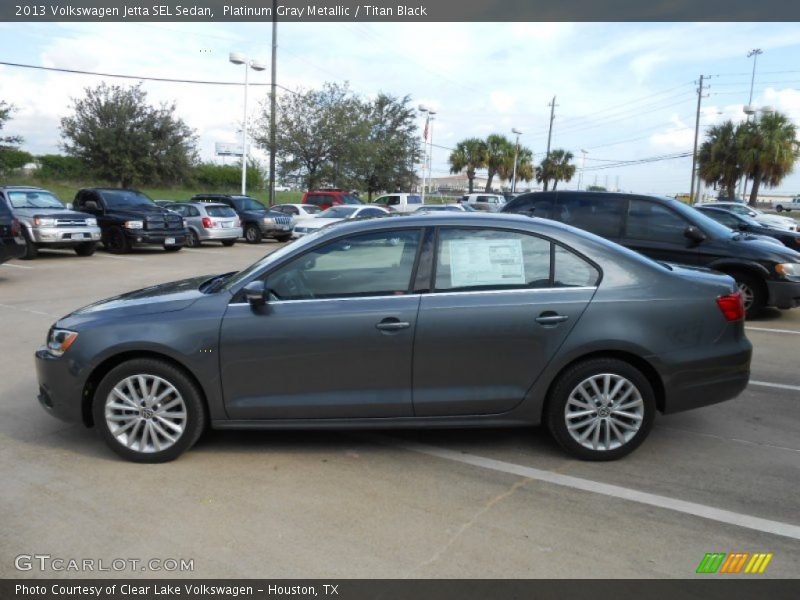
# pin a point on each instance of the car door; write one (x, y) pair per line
(334, 341)
(496, 315)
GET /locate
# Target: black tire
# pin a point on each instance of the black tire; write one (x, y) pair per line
(779, 208)
(86, 249)
(228, 243)
(31, 249)
(116, 241)
(252, 234)
(195, 410)
(568, 383)
(753, 292)
(283, 237)
(172, 248)
(192, 239)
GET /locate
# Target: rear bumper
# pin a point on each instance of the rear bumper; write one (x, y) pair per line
(783, 294)
(142, 236)
(232, 233)
(60, 391)
(64, 235)
(693, 382)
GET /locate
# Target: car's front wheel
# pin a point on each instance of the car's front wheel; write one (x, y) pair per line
(252, 234)
(601, 409)
(148, 411)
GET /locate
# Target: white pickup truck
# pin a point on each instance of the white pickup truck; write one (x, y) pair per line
(398, 202)
(787, 205)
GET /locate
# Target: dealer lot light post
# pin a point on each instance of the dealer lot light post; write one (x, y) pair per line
(240, 59)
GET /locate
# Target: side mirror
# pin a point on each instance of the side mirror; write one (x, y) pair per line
(256, 293)
(694, 234)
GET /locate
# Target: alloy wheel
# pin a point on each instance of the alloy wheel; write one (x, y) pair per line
(604, 412)
(747, 294)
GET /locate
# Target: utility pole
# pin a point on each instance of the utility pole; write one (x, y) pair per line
(696, 135)
(552, 106)
(272, 99)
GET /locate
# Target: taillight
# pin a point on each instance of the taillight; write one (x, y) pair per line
(732, 306)
(16, 228)
(208, 223)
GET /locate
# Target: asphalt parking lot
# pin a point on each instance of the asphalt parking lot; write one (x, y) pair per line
(477, 503)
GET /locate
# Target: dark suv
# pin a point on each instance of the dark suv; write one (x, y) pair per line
(257, 220)
(670, 231)
(327, 197)
(129, 217)
(12, 244)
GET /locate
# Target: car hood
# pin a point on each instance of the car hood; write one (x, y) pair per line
(165, 297)
(781, 222)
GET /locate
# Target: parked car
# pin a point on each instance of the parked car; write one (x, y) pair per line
(257, 220)
(327, 197)
(788, 205)
(12, 244)
(208, 222)
(467, 320)
(46, 223)
(484, 201)
(130, 218)
(667, 230)
(444, 207)
(297, 211)
(335, 214)
(282, 188)
(403, 203)
(736, 222)
(758, 215)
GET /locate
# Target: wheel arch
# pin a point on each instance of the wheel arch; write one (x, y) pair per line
(114, 361)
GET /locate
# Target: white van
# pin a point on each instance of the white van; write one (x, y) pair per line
(485, 201)
(398, 202)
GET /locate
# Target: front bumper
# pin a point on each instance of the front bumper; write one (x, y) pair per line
(60, 390)
(783, 294)
(277, 229)
(64, 235)
(159, 237)
(232, 233)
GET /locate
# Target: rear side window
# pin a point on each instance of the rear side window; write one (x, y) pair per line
(220, 211)
(653, 222)
(597, 213)
(573, 271)
(414, 200)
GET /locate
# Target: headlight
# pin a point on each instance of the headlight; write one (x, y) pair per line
(788, 270)
(269, 221)
(59, 341)
(91, 222)
(134, 225)
(44, 222)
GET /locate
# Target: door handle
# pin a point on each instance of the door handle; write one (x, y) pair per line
(392, 325)
(551, 318)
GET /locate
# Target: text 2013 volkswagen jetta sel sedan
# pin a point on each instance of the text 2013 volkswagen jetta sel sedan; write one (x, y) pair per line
(443, 320)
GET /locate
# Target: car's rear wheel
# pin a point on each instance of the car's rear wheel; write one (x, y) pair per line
(601, 409)
(779, 208)
(85, 249)
(753, 293)
(148, 411)
(193, 240)
(252, 234)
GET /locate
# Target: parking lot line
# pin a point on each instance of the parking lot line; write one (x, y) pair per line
(15, 266)
(781, 386)
(587, 485)
(790, 331)
(119, 257)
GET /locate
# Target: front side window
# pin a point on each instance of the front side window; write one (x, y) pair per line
(486, 259)
(653, 222)
(373, 264)
(248, 203)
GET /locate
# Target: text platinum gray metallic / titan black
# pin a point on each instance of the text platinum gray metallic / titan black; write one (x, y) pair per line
(439, 320)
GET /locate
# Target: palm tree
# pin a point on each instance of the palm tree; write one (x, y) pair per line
(718, 159)
(499, 150)
(525, 168)
(768, 149)
(555, 167)
(469, 154)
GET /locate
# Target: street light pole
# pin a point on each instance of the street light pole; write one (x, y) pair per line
(272, 126)
(427, 112)
(239, 59)
(583, 166)
(754, 54)
(516, 155)
(550, 130)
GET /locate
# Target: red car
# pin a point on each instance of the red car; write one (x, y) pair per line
(327, 197)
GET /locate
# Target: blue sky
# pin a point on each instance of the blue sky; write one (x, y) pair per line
(624, 91)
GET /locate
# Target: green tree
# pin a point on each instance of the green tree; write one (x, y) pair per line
(469, 155)
(525, 168)
(499, 154)
(9, 153)
(61, 168)
(555, 167)
(768, 149)
(718, 158)
(123, 139)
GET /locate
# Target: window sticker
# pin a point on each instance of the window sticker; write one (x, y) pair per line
(480, 262)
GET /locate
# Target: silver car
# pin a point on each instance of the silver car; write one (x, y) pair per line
(208, 222)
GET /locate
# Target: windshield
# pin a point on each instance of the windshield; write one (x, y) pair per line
(248, 203)
(34, 200)
(337, 212)
(120, 198)
(311, 209)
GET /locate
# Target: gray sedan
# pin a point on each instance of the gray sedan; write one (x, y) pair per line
(453, 320)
